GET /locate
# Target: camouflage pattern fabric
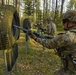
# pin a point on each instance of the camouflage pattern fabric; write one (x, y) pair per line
(67, 44)
(62, 72)
(51, 29)
(70, 15)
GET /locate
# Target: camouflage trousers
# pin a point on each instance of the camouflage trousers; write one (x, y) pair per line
(62, 72)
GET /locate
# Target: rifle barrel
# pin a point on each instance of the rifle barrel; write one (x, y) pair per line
(21, 28)
(35, 33)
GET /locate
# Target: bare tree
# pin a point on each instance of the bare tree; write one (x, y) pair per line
(44, 9)
(49, 4)
(13, 2)
(16, 1)
(6, 1)
(46, 6)
(56, 8)
(53, 5)
(62, 7)
(3, 2)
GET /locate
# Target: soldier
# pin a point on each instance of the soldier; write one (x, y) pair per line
(51, 28)
(40, 24)
(65, 43)
(26, 24)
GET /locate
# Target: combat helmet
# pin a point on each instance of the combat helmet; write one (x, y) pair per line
(70, 15)
(49, 18)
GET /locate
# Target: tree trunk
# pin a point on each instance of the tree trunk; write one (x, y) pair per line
(8, 2)
(49, 5)
(3, 2)
(62, 7)
(13, 2)
(46, 6)
(44, 1)
(52, 5)
(16, 3)
(56, 10)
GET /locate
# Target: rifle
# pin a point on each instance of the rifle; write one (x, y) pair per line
(42, 36)
(34, 32)
(26, 35)
(39, 25)
(42, 29)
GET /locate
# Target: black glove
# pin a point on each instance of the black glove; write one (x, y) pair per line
(36, 34)
(32, 35)
(41, 36)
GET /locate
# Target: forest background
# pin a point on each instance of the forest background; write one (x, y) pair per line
(37, 61)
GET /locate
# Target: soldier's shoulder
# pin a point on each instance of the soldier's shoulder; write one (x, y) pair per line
(61, 33)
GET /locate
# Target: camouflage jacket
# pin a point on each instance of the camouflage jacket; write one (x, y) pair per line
(66, 39)
(51, 29)
(66, 42)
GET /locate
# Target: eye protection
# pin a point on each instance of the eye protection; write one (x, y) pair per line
(65, 21)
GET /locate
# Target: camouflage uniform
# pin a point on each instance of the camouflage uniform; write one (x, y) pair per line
(65, 43)
(51, 28)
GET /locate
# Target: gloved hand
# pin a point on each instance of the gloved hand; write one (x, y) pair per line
(32, 35)
(36, 34)
(42, 36)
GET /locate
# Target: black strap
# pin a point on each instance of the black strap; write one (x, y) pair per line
(73, 59)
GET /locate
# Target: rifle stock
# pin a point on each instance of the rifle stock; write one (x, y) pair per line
(21, 28)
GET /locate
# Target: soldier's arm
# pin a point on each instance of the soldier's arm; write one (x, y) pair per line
(58, 41)
(49, 29)
(54, 29)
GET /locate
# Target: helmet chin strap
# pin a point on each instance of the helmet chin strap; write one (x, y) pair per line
(66, 27)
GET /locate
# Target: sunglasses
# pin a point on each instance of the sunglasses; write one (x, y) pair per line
(65, 21)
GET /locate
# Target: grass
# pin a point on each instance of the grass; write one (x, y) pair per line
(36, 62)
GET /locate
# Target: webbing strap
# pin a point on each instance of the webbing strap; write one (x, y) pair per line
(26, 43)
(15, 67)
(6, 68)
(7, 73)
